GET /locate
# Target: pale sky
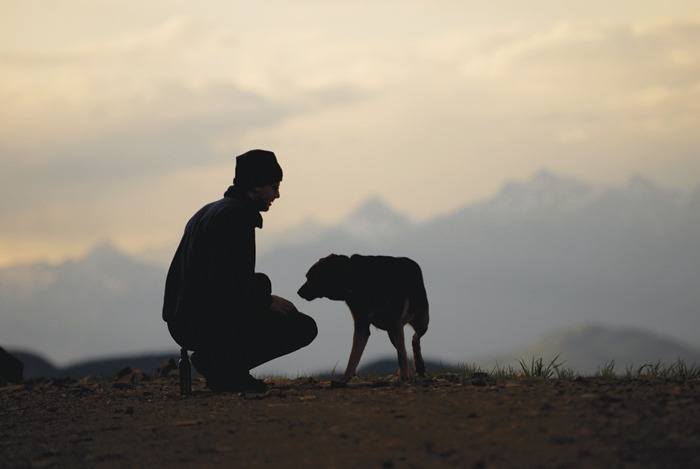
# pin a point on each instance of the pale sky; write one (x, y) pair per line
(120, 118)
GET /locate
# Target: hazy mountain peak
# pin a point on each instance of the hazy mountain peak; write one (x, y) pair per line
(545, 181)
(104, 247)
(544, 189)
(374, 220)
(640, 188)
(374, 208)
(104, 252)
(544, 176)
(640, 183)
(642, 194)
(307, 230)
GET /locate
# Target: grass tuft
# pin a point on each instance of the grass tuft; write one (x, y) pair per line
(504, 372)
(677, 371)
(470, 368)
(563, 372)
(607, 370)
(538, 368)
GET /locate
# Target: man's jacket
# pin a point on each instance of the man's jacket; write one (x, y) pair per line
(211, 274)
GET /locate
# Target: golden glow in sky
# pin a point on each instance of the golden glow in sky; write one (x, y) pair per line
(119, 119)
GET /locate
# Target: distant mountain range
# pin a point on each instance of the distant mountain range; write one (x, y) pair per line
(104, 304)
(37, 366)
(372, 222)
(540, 255)
(589, 347)
(585, 349)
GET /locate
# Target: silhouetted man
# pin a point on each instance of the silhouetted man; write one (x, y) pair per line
(215, 303)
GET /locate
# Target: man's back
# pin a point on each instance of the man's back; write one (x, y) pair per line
(214, 262)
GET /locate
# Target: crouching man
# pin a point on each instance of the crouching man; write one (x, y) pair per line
(215, 303)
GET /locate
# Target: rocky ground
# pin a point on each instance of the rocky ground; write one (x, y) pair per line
(451, 420)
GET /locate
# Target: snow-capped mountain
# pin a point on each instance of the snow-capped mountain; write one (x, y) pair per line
(541, 254)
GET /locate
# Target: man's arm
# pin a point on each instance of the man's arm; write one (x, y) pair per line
(236, 267)
(282, 306)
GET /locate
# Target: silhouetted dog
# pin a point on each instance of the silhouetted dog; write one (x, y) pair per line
(387, 292)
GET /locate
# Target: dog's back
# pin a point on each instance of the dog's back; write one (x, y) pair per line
(391, 293)
(389, 281)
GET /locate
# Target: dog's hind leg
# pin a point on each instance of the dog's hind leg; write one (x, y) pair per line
(397, 339)
(417, 354)
(359, 341)
(420, 326)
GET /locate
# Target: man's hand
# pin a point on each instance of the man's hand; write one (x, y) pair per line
(282, 306)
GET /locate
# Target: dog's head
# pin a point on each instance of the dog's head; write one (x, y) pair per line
(327, 278)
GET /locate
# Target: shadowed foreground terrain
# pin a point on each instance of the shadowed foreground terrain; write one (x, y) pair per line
(451, 420)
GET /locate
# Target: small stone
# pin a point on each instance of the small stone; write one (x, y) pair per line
(130, 376)
(478, 382)
(124, 372)
(63, 382)
(167, 368)
(11, 369)
(87, 380)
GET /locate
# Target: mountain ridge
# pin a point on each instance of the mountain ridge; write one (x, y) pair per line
(495, 282)
(585, 348)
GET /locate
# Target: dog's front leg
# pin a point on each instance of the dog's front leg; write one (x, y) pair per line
(359, 341)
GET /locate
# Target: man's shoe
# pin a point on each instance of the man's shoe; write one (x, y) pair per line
(250, 384)
(241, 383)
(202, 363)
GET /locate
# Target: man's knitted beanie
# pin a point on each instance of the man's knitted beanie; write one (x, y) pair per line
(256, 168)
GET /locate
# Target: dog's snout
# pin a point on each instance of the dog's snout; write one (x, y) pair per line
(304, 292)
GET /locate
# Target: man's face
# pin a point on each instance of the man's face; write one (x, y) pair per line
(264, 195)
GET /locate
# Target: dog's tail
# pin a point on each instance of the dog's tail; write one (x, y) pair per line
(418, 297)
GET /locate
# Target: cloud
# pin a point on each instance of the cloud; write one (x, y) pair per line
(93, 135)
(426, 118)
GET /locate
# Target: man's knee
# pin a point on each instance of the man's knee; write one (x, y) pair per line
(307, 330)
(262, 285)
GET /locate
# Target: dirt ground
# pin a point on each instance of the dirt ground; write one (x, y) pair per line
(446, 421)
